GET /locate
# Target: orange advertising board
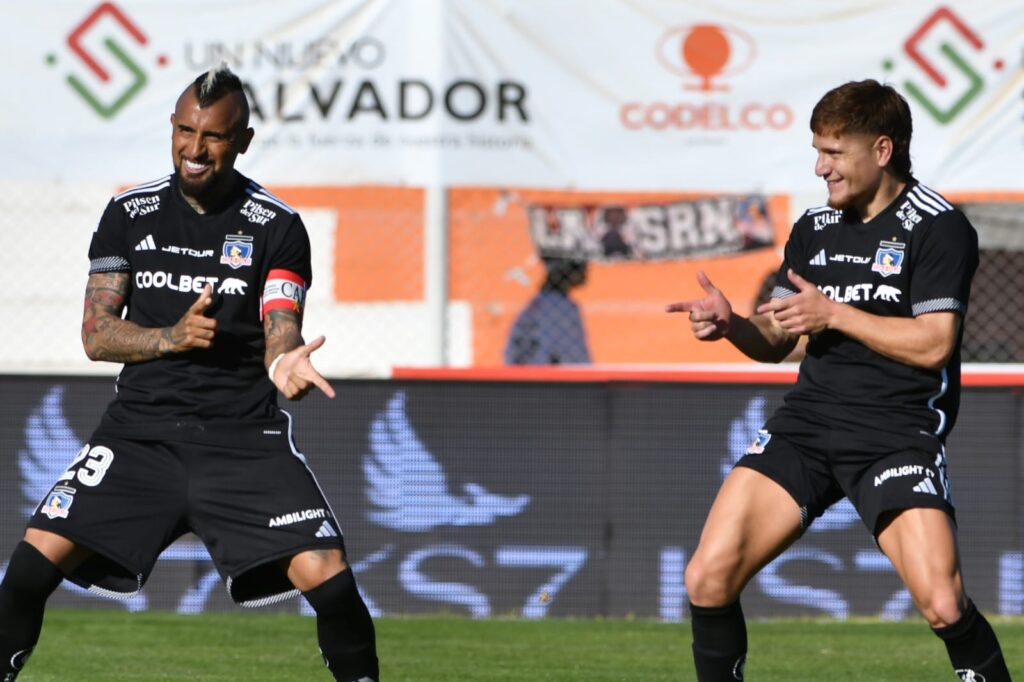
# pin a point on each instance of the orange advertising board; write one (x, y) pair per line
(378, 239)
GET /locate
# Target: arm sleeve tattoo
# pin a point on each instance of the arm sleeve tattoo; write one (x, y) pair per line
(282, 329)
(106, 336)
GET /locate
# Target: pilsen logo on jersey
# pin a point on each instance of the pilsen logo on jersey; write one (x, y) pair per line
(237, 251)
(260, 215)
(888, 258)
(142, 205)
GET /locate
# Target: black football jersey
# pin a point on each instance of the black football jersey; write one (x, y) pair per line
(254, 252)
(917, 256)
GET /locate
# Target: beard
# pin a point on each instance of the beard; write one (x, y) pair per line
(194, 188)
(207, 189)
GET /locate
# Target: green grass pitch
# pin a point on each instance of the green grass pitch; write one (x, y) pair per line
(107, 646)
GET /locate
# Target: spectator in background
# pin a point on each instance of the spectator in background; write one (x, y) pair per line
(753, 223)
(549, 330)
(613, 241)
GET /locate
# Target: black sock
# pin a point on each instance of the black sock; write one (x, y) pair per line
(344, 629)
(973, 648)
(28, 583)
(719, 642)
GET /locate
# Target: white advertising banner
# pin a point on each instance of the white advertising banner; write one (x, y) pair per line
(438, 149)
(646, 94)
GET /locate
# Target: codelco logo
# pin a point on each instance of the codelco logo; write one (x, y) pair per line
(942, 47)
(107, 27)
(705, 55)
(707, 51)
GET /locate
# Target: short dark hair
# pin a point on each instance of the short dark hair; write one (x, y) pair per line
(563, 273)
(871, 108)
(217, 82)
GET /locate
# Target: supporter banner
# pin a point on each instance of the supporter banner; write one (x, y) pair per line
(666, 231)
(541, 500)
(649, 94)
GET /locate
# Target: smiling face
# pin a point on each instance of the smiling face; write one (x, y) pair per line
(853, 166)
(205, 142)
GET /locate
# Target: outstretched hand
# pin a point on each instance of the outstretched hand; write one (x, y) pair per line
(194, 329)
(709, 316)
(295, 375)
(807, 312)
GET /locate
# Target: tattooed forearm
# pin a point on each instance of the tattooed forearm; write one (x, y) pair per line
(118, 340)
(283, 332)
(106, 336)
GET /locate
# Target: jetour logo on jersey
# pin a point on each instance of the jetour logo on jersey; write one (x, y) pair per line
(107, 90)
(237, 251)
(187, 251)
(847, 258)
(710, 52)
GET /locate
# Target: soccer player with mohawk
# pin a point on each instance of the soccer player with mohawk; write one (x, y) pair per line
(213, 271)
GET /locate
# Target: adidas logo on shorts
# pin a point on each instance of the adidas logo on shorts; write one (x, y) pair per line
(326, 531)
(926, 486)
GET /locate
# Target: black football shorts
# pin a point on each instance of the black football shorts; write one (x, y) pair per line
(127, 500)
(821, 467)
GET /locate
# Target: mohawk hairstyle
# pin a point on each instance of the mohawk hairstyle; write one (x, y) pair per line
(216, 83)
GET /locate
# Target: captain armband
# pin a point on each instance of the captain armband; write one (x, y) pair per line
(284, 289)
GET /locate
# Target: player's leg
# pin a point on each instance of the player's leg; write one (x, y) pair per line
(254, 506)
(752, 520)
(921, 543)
(36, 568)
(344, 628)
(111, 550)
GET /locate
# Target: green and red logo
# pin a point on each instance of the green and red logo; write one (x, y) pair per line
(959, 47)
(122, 39)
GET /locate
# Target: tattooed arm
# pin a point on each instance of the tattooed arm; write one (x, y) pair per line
(106, 336)
(293, 374)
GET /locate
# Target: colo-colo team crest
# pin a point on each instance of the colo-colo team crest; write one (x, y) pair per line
(888, 258)
(237, 251)
(58, 502)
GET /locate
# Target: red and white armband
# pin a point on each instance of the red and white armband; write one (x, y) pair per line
(284, 289)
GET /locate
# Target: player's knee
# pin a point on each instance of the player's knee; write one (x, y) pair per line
(312, 568)
(710, 583)
(30, 575)
(941, 607)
